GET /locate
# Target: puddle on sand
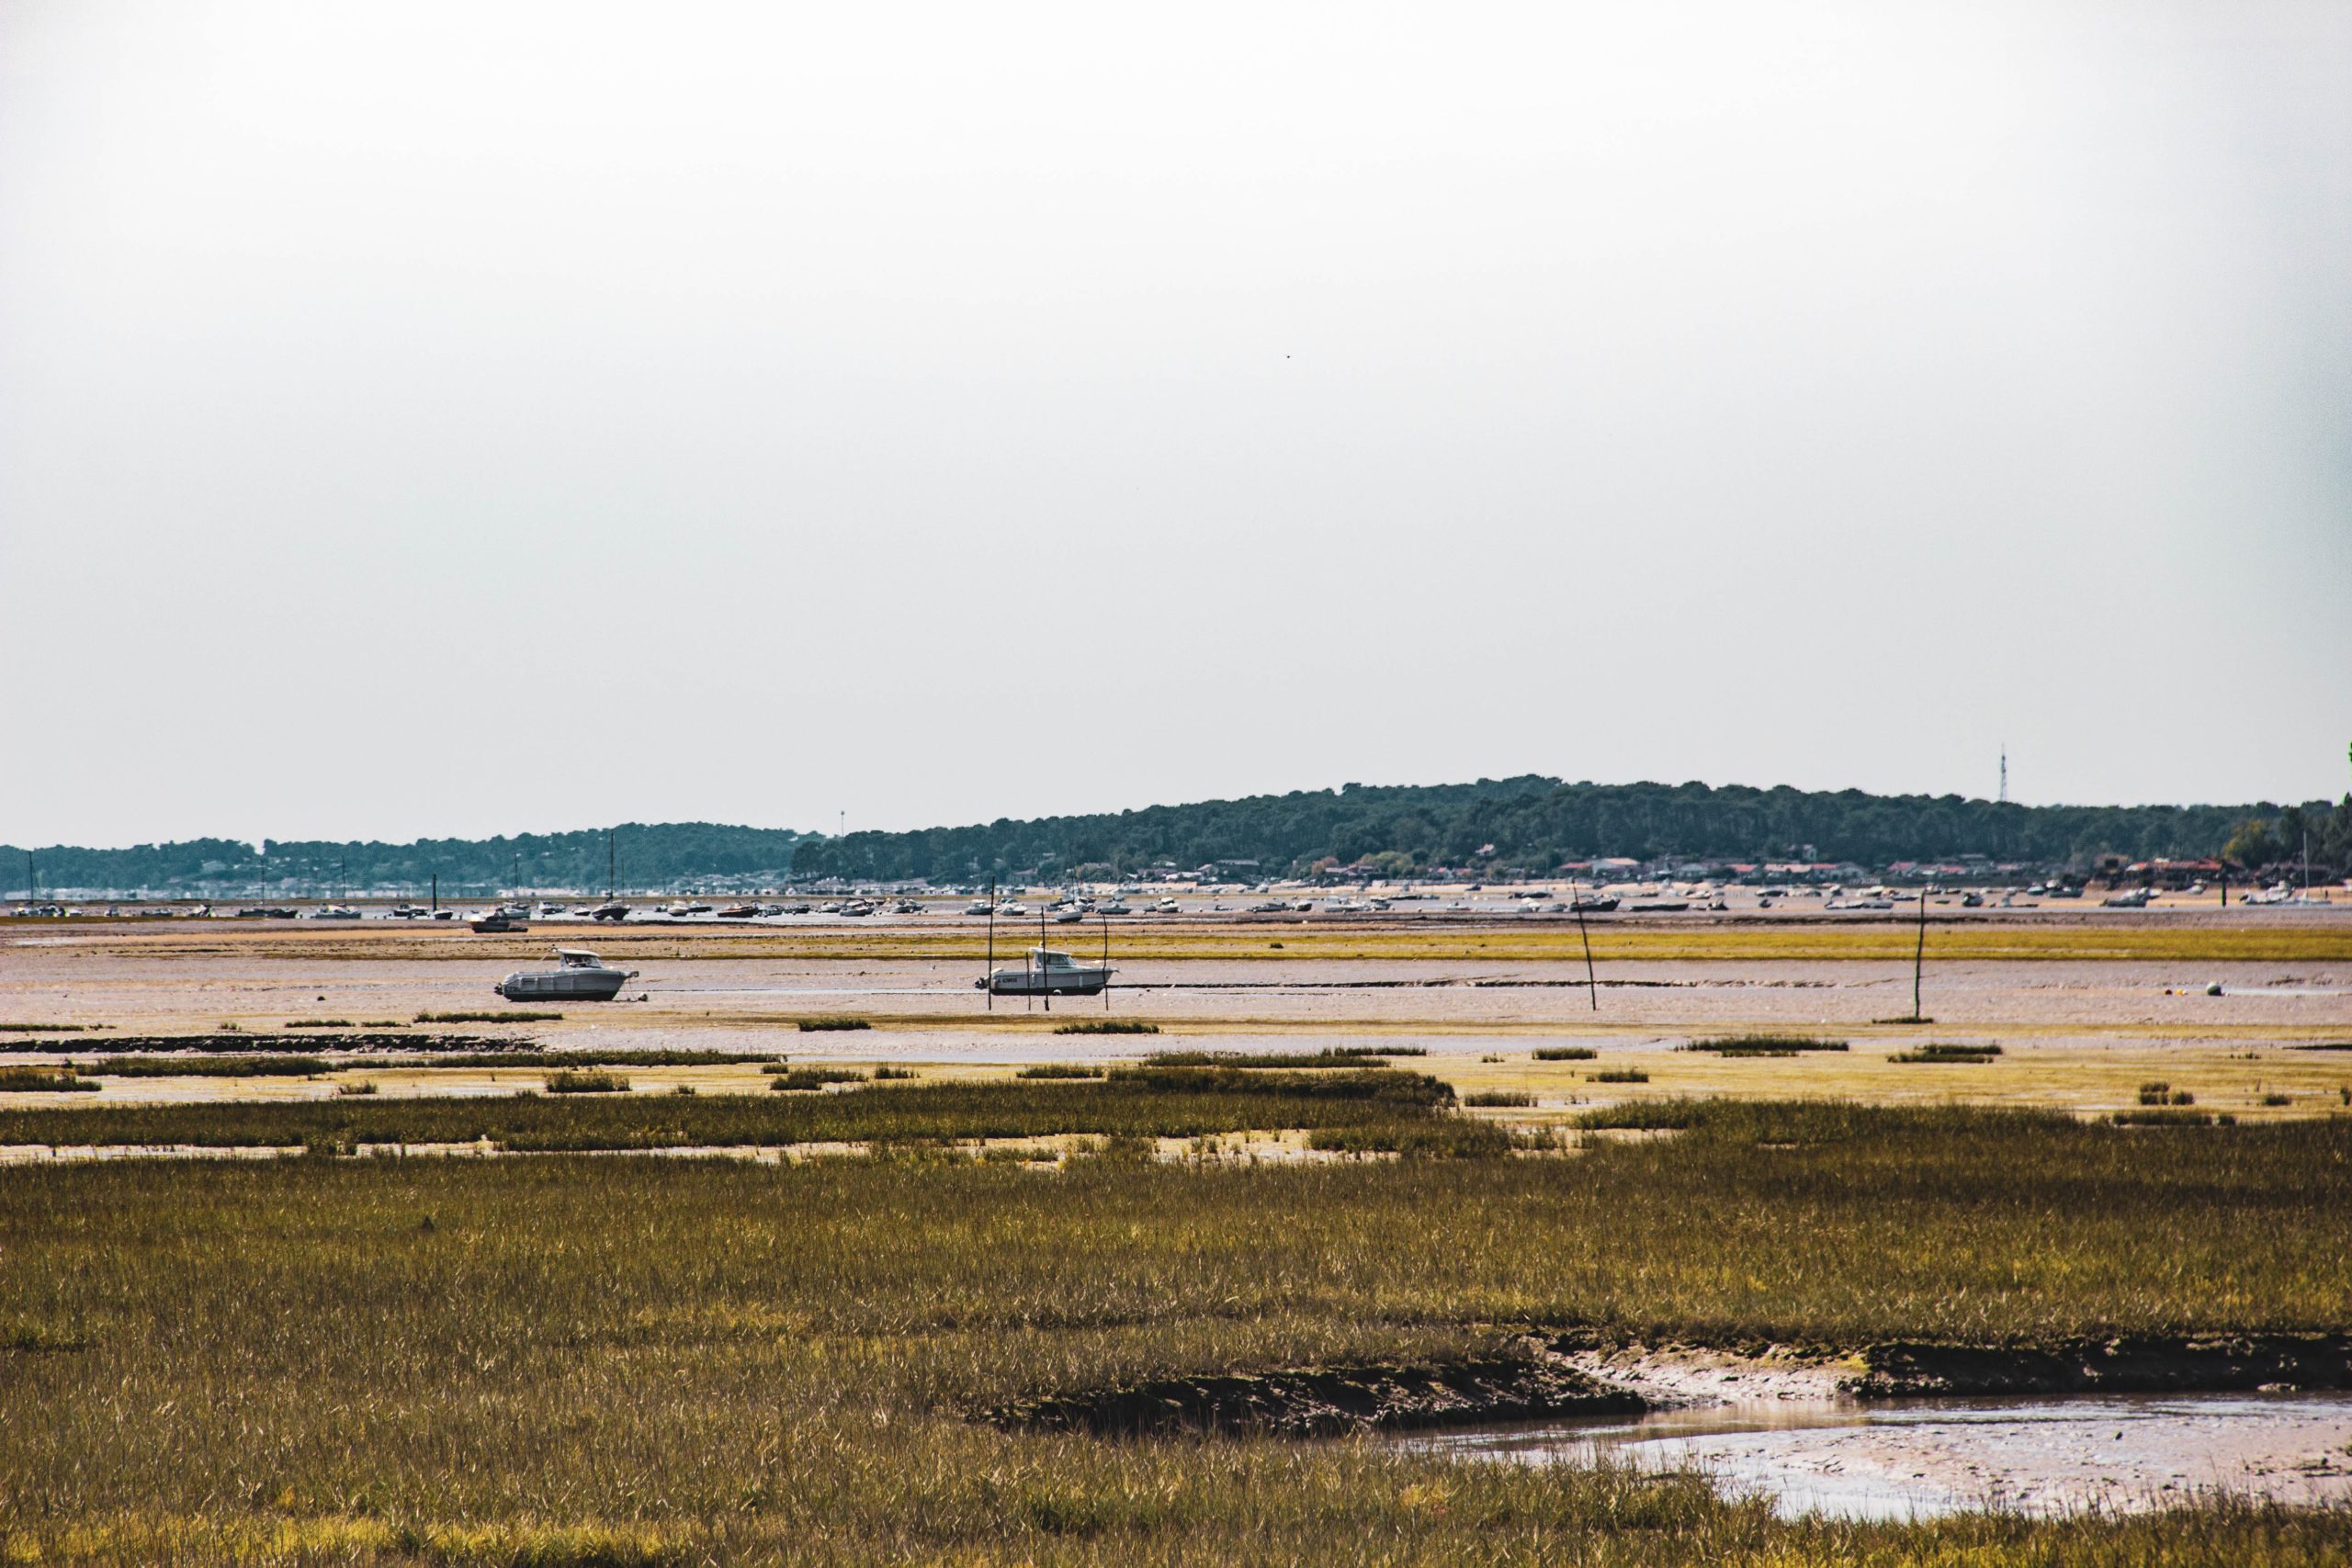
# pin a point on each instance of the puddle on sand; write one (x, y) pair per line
(1918, 1459)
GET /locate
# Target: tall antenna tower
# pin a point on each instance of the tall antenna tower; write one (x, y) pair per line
(2004, 773)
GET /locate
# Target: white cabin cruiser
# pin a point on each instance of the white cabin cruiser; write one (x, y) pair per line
(1048, 973)
(580, 977)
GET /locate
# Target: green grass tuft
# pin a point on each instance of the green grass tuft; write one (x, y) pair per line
(1947, 1054)
(796, 1078)
(1764, 1045)
(2165, 1118)
(587, 1080)
(44, 1080)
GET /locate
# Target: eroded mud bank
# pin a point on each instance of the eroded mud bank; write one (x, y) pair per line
(1578, 1376)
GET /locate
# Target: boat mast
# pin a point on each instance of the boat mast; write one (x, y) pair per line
(988, 984)
(1044, 975)
(610, 881)
(1107, 960)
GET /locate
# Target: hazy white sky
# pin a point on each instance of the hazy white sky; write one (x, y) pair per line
(459, 418)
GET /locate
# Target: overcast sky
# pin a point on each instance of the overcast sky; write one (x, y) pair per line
(477, 417)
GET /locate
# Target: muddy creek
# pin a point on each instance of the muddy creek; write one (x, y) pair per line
(1918, 1458)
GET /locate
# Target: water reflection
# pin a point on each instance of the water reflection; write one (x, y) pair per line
(1918, 1459)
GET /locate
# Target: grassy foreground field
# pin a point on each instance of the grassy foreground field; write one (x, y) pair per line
(619, 1360)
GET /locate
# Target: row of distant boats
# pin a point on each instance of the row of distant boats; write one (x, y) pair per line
(1071, 909)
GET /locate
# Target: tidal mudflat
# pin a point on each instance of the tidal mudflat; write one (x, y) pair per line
(1154, 1314)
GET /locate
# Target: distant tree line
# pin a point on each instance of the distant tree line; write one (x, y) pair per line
(646, 855)
(1539, 823)
(2280, 842)
(1533, 823)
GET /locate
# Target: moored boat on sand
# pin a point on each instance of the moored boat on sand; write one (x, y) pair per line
(579, 976)
(1048, 973)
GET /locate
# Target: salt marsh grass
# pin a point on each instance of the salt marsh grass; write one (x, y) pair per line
(1765, 1044)
(272, 1067)
(363, 1360)
(586, 1081)
(1175, 1102)
(44, 1080)
(794, 1078)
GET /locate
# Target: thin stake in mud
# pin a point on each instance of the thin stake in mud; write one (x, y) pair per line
(1045, 978)
(1592, 985)
(1106, 962)
(1919, 957)
(989, 983)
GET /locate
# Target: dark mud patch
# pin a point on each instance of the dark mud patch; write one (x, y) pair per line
(2136, 1364)
(1327, 1401)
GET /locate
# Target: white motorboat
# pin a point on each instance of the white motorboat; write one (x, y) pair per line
(580, 977)
(1048, 973)
(979, 906)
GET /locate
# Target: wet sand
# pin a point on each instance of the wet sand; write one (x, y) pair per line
(2076, 1032)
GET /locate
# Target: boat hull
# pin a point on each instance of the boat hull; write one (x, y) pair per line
(1070, 983)
(563, 985)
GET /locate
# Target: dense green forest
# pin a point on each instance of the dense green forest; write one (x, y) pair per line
(643, 855)
(1531, 823)
(1539, 823)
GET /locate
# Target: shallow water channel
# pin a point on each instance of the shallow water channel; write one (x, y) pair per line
(1918, 1458)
